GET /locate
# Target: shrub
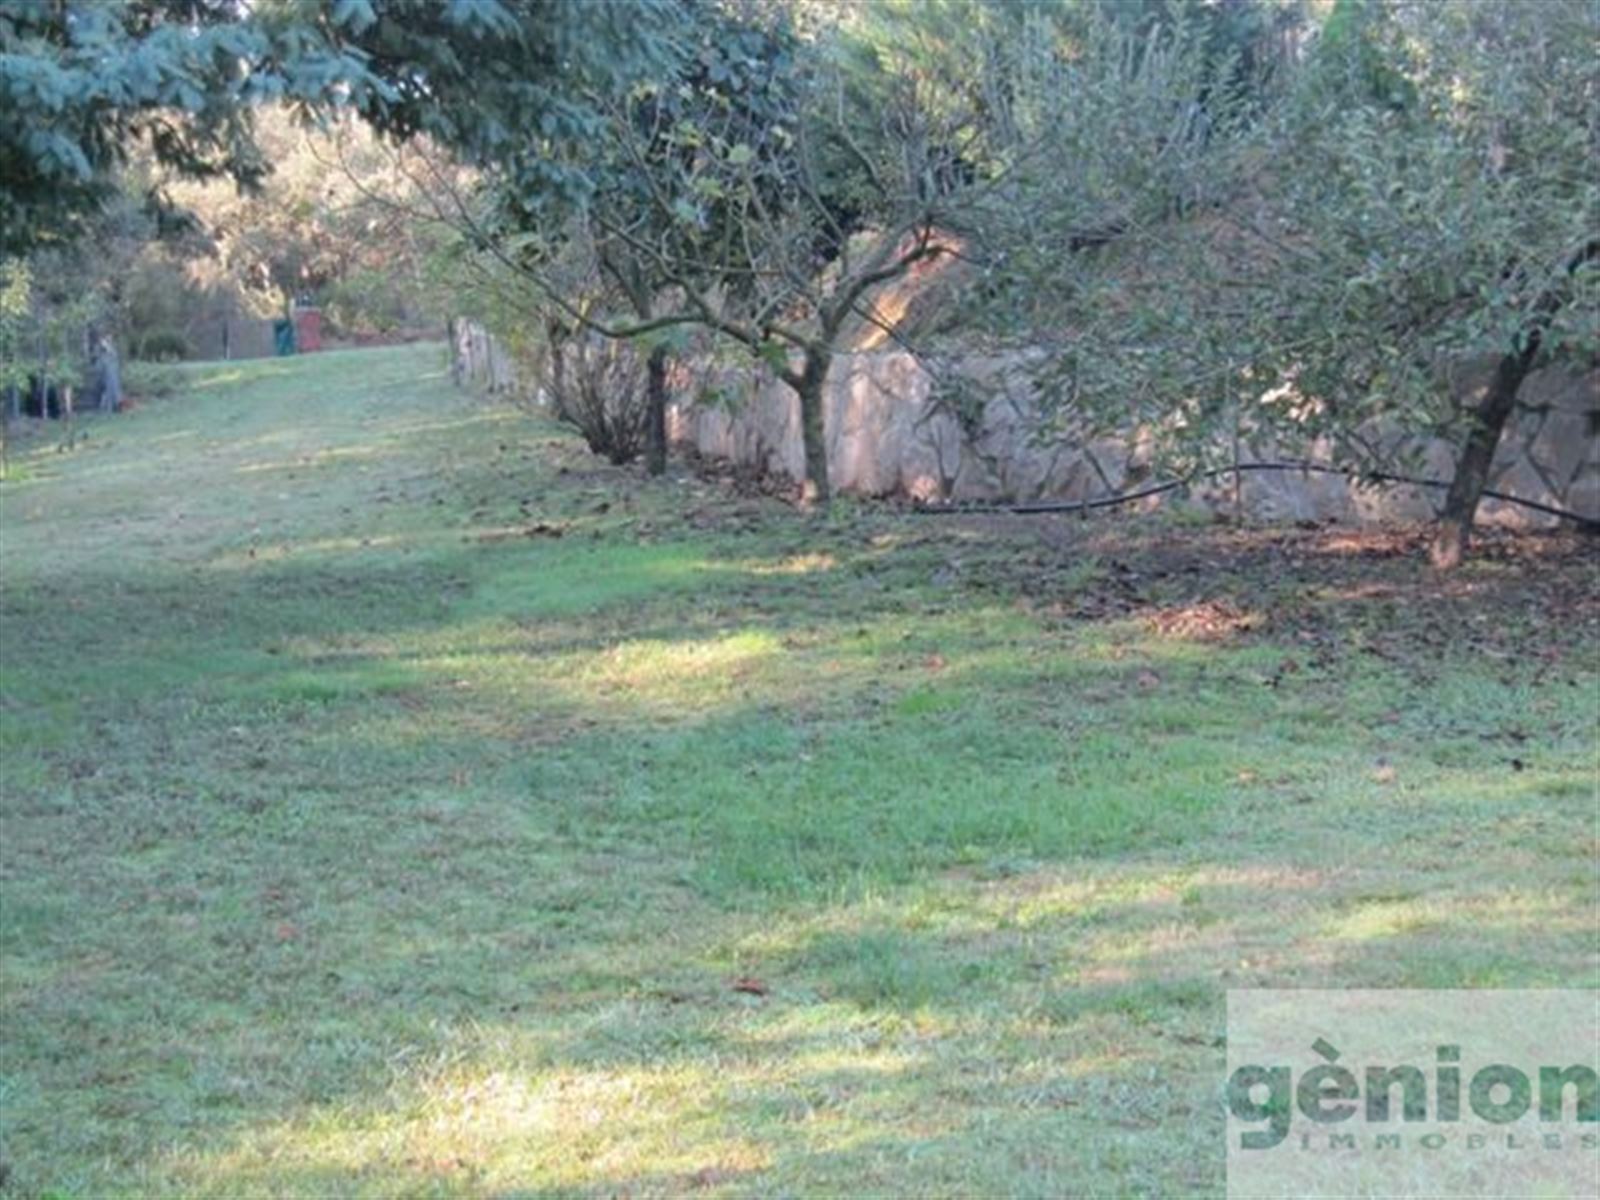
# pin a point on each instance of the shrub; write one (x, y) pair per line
(598, 385)
(162, 345)
(148, 380)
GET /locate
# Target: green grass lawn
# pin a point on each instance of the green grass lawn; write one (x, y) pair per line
(397, 801)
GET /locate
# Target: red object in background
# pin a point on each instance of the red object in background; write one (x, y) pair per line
(307, 330)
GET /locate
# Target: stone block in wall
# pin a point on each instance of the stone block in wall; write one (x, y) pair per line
(933, 456)
(772, 434)
(1523, 480)
(1059, 472)
(1111, 463)
(1075, 473)
(1434, 459)
(976, 478)
(1280, 495)
(1022, 464)
(1521, 428)
(1561, 388)
(1583, 495)
(872, 410)
(1566, 443)
(713, 431)
(853, 441)
(1371, 505)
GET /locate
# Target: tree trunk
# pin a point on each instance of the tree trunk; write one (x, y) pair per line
(558, 366)
(70, 440)
(1477, 454)
(44, 379)
(1475, 459)
(109, 372)
(656, 398)
(809, 388)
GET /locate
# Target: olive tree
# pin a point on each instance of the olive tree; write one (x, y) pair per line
(1316, 258)
(766, 191)
(1439, 210)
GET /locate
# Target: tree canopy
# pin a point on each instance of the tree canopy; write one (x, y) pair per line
(83, 82)
(1314, 260)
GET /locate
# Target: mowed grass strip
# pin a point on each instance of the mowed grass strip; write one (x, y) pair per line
(398, 802)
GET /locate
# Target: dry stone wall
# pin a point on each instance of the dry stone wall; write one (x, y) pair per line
(890, 432)
(889, 435)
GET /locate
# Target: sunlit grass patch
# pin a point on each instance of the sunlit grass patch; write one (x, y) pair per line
(681, 676)
(798, 564)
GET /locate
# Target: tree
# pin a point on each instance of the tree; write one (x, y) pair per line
(513, 88)
(1419, 192)
(600, 234)
(762, 193)
(1122, 149)
(1440, 197)
(64, 303)
(15, 296)
(83, 82)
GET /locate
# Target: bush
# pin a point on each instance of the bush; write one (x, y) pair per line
(598, 385)
(369, 302)
(162, 345)
(149, 381)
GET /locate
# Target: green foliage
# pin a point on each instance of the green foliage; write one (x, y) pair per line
(154, 380)
(45, 320)
(1111, 155)
(160, 345)
(510, 85)
(1428, 224)
(84, 81)
(499, 81)
(334, 224)
(376, 299)
(16, 289)
(1352, 59)
(114, 279)
(1409, 197)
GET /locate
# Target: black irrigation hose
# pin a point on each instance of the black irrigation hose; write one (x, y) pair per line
(1034, 507)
